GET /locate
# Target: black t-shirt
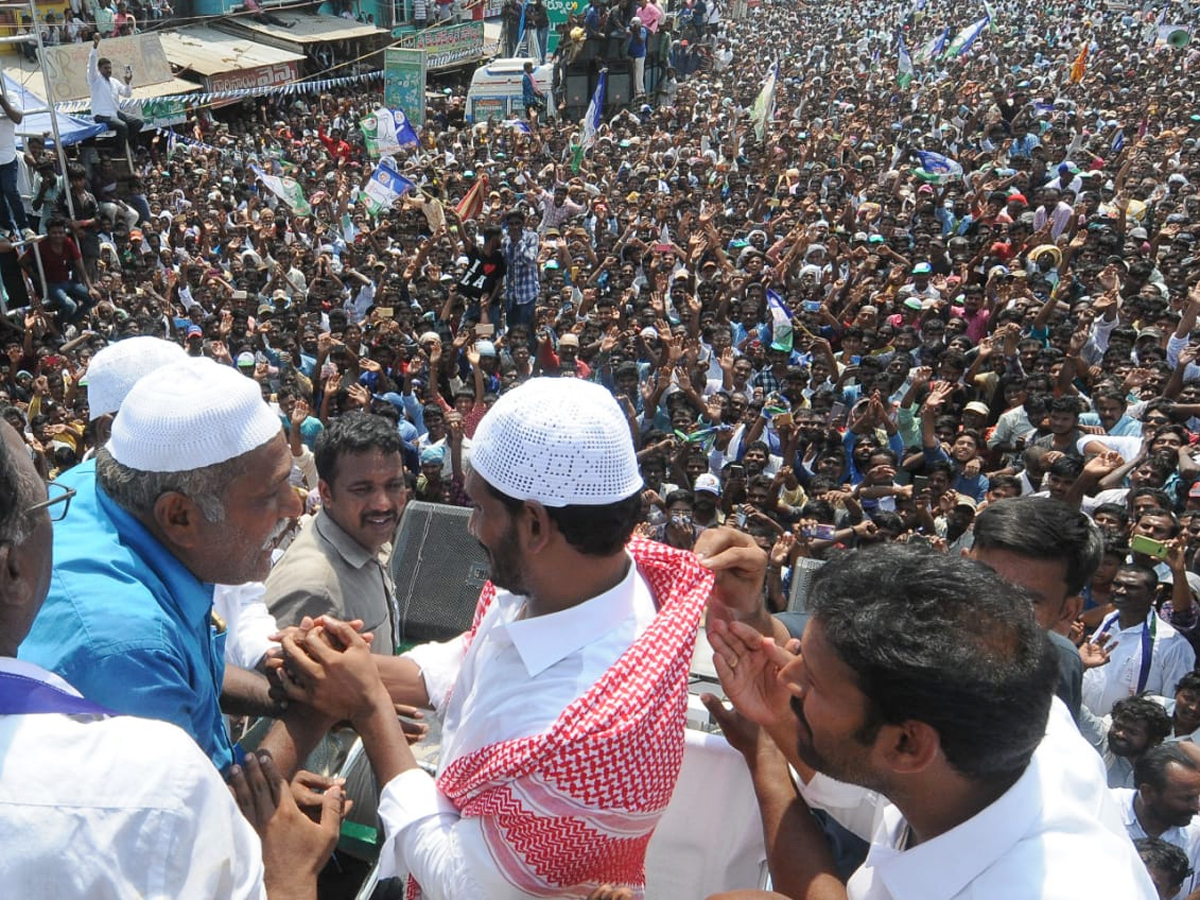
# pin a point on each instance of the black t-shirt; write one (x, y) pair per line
(482, 274)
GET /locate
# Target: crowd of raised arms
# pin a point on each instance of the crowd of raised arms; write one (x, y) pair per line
(859, 289)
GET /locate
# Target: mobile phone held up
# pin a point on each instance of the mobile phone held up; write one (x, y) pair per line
(819, 532)
(1141, 544)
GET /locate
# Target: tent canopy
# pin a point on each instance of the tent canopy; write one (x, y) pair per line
(72, 129)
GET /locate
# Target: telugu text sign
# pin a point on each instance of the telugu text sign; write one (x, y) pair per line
(450, 46)
(259, 77)
(66, 64)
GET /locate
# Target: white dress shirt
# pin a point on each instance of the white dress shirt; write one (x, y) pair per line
(1172, 657)
(248, 622)
(116, 807)
(514, 681)
(1186, 839)
(1095, 731)
(8, 140)
(1169, 705)
(106, 92)
(1042, 838)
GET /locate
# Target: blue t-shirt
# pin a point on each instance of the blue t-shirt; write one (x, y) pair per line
(126, 623)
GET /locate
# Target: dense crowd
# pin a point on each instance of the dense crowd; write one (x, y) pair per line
(868, 315)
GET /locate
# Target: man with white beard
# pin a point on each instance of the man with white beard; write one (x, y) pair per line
(191, 490)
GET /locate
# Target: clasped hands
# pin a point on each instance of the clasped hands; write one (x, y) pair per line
(328, 665)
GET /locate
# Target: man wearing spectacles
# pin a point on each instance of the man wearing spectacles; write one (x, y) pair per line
(75, 812)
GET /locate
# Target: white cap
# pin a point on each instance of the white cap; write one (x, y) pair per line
(188, 415)
(114, 370)
(560, 441)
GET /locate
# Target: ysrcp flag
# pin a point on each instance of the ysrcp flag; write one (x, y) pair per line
(287, 190)
(936, 164)
(591, 122)
(934, 46)
(763, 110)
(385, 188)
(385, 131)
(904, 68)
(781, 322)
(964, 39)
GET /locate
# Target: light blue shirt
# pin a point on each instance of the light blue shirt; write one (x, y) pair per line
(127, 624)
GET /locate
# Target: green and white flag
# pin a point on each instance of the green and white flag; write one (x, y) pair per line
(287, 190)
(964, 39)
(763, 110)
(590, 124)
(904, 67)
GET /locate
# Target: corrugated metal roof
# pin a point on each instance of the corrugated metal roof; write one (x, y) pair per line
(165, 89)
(307, 29)
(207, 51)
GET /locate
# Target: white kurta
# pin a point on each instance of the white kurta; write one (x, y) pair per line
(1172, 657)
(116, 807)
(514, 681)
(1040, 839)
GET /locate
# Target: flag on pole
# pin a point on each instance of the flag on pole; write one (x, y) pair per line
(1075, 74)
(471, 205)
(763, 109)
(781, 322)
(1151, 34)
(385, 131)
(286, 189)
(990, 14)
(405, 132)
(590, 123)
(1118, 141)
(964, 39)
(170, 143)
(904, 67)
(518, 125)
(385, 187)
(934, 46)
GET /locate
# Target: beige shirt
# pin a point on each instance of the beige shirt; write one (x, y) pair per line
(325, 571)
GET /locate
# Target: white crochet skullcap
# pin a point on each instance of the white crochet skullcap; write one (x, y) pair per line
(188, 415)
(114, 371)
(560, 441)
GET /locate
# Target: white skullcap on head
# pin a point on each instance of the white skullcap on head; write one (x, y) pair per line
(560, 441)
(114, 371)
(188, 415)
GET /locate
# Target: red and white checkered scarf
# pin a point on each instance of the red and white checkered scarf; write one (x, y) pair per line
(574, 807)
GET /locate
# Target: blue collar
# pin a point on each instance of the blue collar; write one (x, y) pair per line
(192, 597)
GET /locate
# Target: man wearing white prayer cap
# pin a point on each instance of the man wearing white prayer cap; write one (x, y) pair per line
(564, 705)
(114, 371)
(191, 489)
(110, 377)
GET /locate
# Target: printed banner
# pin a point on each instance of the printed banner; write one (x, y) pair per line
(404, 72)
(450, 46)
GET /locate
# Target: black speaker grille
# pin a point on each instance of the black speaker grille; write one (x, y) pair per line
(438, 569)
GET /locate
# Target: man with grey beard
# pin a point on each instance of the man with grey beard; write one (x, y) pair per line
(191, 490)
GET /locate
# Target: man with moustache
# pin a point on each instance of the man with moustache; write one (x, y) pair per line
(191, 490)
(564, 706)
(920, 713)
(337, 565)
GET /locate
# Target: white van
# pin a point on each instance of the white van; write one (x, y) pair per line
(495, 91)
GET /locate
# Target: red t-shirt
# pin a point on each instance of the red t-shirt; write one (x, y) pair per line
(58, 266)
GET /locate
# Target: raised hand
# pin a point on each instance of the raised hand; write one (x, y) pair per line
(748, 665)
(1096, 653)
(294, 848)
